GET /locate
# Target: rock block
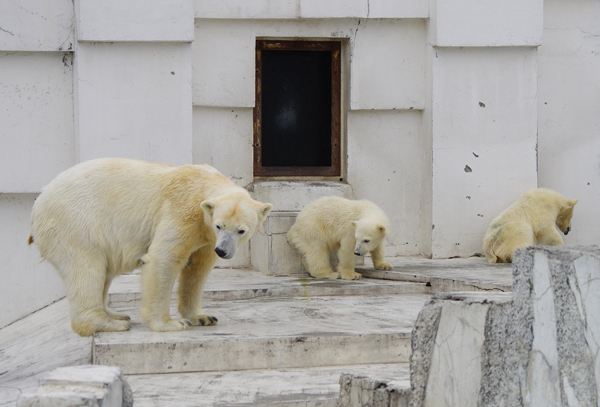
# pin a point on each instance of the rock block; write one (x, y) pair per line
(360, 391)
(539, 349)
(100, 386)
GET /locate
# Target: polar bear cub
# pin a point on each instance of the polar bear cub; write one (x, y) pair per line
(105, 217)
(336, 224)
(529, 221)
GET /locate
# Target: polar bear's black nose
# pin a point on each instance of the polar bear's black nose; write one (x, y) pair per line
(357, 253)
(220, 252)
(567, 231)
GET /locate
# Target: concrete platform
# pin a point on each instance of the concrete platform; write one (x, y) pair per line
(446, 275)
(236, 284)
(314, 387)
(279, 316)
(272, 333)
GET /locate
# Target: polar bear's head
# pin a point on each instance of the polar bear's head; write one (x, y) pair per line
(234, 218)
(368, 234)
(563, 220)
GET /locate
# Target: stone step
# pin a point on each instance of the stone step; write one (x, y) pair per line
(270, 333)
(446, 275)
(308, 387)
(235, 284)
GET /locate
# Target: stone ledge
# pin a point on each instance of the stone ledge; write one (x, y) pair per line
(538, 349)
(101, 386)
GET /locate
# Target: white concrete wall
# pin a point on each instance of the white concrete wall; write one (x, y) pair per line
(569, 111)
(28, 283)
(36, 140)
(81, 80)
(483, 115)
(134, 100)
(484, 141)
(36, 126)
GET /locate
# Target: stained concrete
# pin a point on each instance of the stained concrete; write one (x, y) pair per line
(471, 274)
(271, 333)
(282, 310)
(87, 385)
(306, 387)
(240, 284)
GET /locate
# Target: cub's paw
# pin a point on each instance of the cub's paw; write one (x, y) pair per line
(170, 326)
(383, 266)
(203, 320)
(351, 275)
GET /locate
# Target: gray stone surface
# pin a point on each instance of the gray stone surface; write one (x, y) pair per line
(87, 385)
(447, 275)
(306, 387)
(364, 391)
(276, 333)
(240, 284)
(43, 341)
(540, 349)
(422, 343)
(35, 345)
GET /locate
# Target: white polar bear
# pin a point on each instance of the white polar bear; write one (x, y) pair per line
(531, 220)
(105, 217)
(337, 224)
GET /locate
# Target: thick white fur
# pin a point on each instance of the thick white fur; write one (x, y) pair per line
(336, 224)
(105, 217)
(529, 221)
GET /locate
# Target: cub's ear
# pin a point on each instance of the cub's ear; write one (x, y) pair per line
(208, 207)
(381, 228)
(264, 210)
(572, 202)
(354, 223)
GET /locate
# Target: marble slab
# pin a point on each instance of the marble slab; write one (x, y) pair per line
(274, 387)
(240, 284)
(446, 275)
(271, 333)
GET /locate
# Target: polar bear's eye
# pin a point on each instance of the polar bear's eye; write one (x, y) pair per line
(241, 231)
(366, 240)
(219, 227)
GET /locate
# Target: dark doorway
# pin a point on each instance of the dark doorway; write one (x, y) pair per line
(297, 113)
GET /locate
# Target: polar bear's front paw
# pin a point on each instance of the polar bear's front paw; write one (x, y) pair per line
(329, 274)
(203, 320)
(351, 275)
(170, 326)
(383, 266)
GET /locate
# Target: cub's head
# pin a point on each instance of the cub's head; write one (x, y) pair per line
(563, 220)
(234, 218)
(368, 234)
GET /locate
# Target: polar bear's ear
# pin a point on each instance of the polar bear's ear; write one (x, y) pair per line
(354, 223)
(264, 210)
(208, 207)
(572, 202)
(381, 228)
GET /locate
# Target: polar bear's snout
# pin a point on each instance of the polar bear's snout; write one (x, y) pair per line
(226, 244)
(566, 232)
(360, 249)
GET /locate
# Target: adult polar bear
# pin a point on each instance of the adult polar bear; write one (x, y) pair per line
(105, 217)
